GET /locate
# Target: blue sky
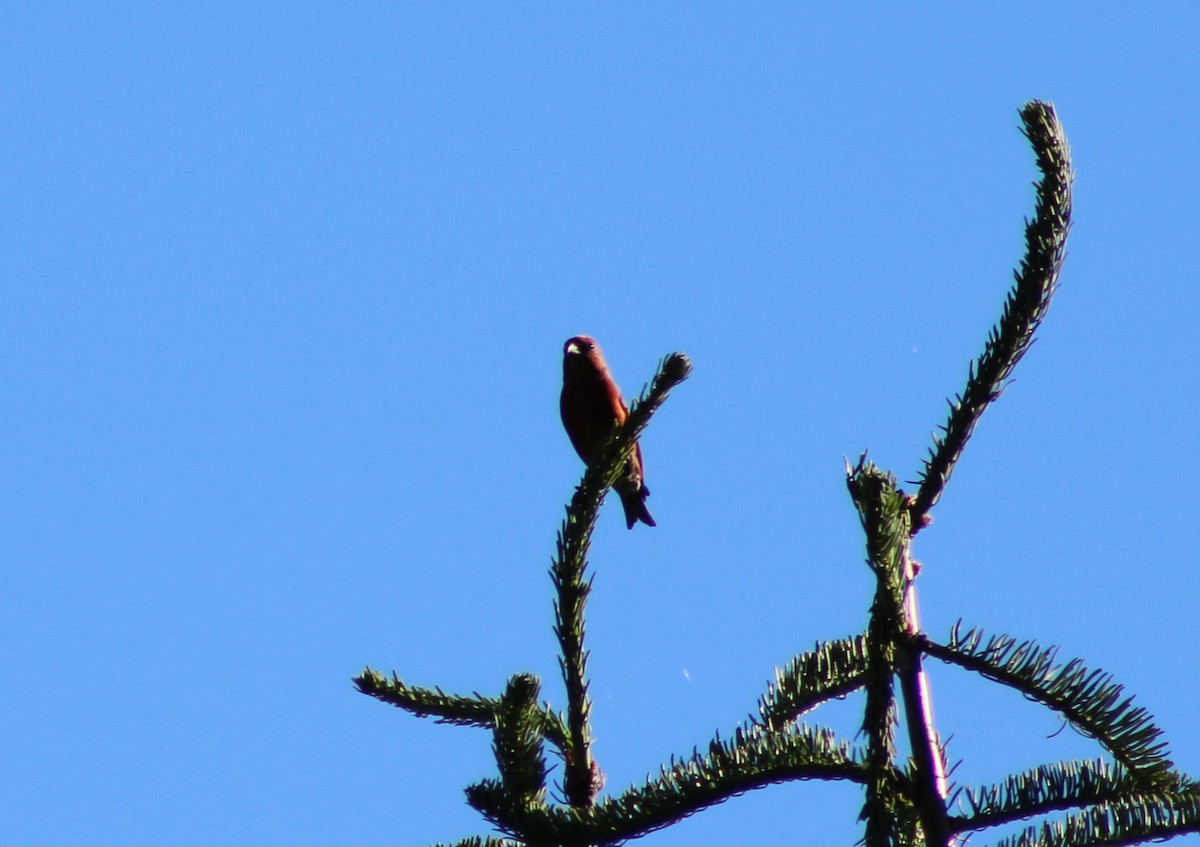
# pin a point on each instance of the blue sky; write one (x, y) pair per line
(285, 289)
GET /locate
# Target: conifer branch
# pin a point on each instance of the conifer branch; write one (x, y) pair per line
(1026, 306)
(517, 742)
(1046, 788)
(582, 778)
(892, 650)
(830, 670)
(486, 841)
(475, 710)
(882, 509)
(752, 759)
(1089, 700)
(1130, 820)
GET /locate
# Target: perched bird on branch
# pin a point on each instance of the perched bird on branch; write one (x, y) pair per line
(592, 409)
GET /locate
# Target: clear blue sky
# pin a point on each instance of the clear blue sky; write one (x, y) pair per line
(284, 294)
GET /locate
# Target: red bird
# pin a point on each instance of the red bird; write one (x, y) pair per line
(592, 408)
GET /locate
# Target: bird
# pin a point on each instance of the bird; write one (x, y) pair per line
(592, 408)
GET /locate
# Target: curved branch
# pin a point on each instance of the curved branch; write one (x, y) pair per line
(1026, 306)
(1090, 699)
(581, 777)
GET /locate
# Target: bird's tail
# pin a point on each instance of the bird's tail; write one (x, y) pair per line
(633, 499)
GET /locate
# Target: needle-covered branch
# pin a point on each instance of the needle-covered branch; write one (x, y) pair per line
(1045, 789)
(475, 710)
(486, 841)
(829, 671)
(581, 777)
(881, 508)
(891, 652)
(752, 759)
(1089, 699)
(517, 742)
(1131, 820)
(1026, 306)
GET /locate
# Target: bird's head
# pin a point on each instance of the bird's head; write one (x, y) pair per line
(582, 355)
(580, 345)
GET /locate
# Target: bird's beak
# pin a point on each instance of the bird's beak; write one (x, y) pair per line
(573, 347)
